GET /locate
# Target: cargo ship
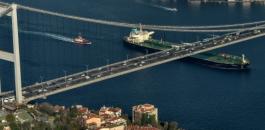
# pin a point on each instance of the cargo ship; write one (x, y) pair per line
(140, 39)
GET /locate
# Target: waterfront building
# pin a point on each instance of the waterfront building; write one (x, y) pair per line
(144, 114)
(115, 123)
(3, 115)
(77, 106)
(116, 120)
(111, 118)
(110, 111)
(58, 108)
(83, 110)
(92, 120)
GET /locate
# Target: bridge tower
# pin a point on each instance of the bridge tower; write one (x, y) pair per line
(15, 56)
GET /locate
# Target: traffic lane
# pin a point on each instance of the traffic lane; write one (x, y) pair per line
(106, 73)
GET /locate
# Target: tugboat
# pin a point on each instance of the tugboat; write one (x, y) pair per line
(138, 38)
(80, 40)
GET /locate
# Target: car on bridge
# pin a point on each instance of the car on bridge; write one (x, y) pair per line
(9, 99)
(87, 77)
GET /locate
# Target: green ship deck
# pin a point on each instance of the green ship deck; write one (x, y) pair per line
(220, 58)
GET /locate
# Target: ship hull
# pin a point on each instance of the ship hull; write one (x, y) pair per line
(139, 47)
(215, 64)
(192, 59)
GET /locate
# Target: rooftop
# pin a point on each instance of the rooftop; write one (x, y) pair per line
(111, 111)
(144, 108)
(92, 115)
(136, 127)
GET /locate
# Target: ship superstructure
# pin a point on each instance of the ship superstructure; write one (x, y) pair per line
(139, 36)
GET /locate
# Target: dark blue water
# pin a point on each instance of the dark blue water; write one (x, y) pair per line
(199, 98)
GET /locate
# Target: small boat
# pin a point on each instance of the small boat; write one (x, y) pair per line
(80, 40)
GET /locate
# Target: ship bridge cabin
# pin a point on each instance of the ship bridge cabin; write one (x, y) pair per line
(139, 36)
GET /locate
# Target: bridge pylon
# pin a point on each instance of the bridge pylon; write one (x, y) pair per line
(15, 56)
(16, 52)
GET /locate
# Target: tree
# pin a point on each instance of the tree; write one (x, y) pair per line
(10, 118)
(46, 108)
(60, 127)
(41, 126)
(148, 119)
(26, 126)
(165, 125)
(126, 117)
(14, 126)
(153, 121)
(73, 112)
(173, 125)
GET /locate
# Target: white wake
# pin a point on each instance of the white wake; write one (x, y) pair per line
(50, 35)
(165, 8)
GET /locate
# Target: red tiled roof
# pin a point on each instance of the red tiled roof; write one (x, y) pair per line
(112, 109)
(136, 127)
(144, 108)
(92, 115)
(83, 110)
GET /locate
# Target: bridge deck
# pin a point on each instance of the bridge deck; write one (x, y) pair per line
(124, 67)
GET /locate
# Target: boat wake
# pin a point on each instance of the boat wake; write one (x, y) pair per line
(50, 35)
(165, 8)
(157, 6)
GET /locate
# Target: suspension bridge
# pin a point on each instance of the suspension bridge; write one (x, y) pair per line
(237, 33)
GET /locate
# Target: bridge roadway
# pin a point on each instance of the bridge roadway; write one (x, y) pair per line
(80, 79)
